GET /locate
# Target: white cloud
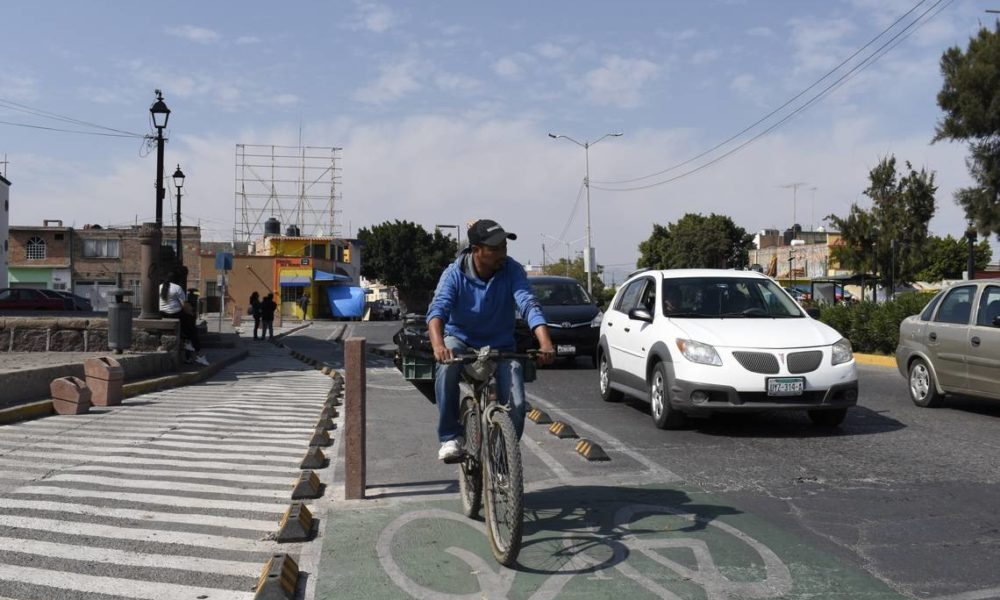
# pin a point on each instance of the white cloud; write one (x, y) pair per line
(455, 82)
(619, 81)
(245, 40)
(507, 67)
(395, 81)
(374, 17)
(819, 44)
(286, 99)
(760, 31)
(744, 83)
(18, 87)
(706, 56)
(201, 35)
(550, 51)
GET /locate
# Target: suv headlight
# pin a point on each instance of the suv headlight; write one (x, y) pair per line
(597, 319)
(697, 352)
(842, 351)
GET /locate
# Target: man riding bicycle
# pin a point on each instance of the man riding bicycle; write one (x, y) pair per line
(473, 306)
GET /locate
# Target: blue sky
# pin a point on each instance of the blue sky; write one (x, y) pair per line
(442, 108)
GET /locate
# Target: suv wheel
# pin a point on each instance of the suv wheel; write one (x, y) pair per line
(607, 394)
(664, 416)
(923, 391)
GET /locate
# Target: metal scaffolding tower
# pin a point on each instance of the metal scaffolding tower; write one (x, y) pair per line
(297, 185)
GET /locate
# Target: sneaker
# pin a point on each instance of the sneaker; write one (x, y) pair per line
(188, 347)
(451, 451)
(201, 360)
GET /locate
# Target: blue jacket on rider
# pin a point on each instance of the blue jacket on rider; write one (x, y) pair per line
(481, 313)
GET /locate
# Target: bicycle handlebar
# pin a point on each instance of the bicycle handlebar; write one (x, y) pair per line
(493, 355)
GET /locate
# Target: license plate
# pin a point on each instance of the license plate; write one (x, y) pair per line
(785, 386)
(565, 349)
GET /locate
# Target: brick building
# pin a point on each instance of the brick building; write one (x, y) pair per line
(40, 257)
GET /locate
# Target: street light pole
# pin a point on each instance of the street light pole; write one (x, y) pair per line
(151, 236)
(970, 235)
(588, 253)
(179, 183)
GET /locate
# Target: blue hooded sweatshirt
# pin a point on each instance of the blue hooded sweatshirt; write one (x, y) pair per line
(481, 313)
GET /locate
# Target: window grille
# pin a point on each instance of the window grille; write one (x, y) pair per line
(35, 249)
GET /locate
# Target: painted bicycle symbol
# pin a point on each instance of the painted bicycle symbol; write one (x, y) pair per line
(624, 539)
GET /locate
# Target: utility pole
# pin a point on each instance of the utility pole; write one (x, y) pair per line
(970, 235)
(795, 189)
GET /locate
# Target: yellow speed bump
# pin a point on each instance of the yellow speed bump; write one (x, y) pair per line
(279, 579)
(307, 486)
(320, 438)
(314, 459)
(539, 416)
(562, 430)
(296, 525)
(591, 451)
(329, 412)
(325, 423)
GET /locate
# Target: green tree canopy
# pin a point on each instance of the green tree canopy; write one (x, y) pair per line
(893, 232)
(948, 258)
(575, 269)
(405, 255)
(696, 241)
(970, 99)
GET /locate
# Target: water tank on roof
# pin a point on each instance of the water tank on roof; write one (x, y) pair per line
(292, 231)
(272, 227)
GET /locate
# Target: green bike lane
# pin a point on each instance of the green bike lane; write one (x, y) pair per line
(623, 528)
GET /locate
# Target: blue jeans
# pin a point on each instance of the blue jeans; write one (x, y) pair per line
(510, 390)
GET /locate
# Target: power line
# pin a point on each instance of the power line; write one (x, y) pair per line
(120, 135)
(50, 115)
(572, 214)
(868, 61)
(878, 53)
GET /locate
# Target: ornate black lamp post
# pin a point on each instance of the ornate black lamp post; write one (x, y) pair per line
(151, 235)
(179, 183)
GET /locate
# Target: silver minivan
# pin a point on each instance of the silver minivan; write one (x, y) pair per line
(953, 345)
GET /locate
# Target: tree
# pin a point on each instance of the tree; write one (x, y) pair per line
(890, 235)
(405, 255)
(696, 241)
(947, 258)
(576, 271)
(970, 99)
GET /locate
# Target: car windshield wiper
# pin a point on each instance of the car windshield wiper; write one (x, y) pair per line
(688, 315)
(732, 315)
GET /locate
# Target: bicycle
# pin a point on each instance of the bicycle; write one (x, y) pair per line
(493, 467)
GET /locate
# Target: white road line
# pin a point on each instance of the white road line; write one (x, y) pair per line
(88, 444)
(156, 536)
(984, 594)
(175, 501)
(550, 461)
(114, 459)
(144, 516)
(130, 559)
(215, 447)
(606, 439)
(175, 486)
(147, 452)
(125, 437)
(234, 477)
(128, 588)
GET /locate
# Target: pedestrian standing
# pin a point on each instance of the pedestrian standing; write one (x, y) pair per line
(304, 304)
(267, 308)
(255, 312)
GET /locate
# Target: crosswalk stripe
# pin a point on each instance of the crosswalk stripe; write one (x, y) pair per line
(168, 486)
(234, 477)
(158, 536)
(124, 437)
(158, 443)
(129, 559)
(176, 501)
(145, 516)
(154, 452)
(128, 588)
(115, 459)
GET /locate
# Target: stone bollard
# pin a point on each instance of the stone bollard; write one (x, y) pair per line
(105, 378)
(70, 396)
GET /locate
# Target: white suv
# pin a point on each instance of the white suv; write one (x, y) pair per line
(697, 341)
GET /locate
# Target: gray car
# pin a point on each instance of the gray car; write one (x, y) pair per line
(953, 345)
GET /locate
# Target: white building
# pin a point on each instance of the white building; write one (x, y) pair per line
(4, 228)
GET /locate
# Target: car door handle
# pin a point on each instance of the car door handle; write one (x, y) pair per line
(975, 341)
(610, 324)
(933, 336)
(627, 330)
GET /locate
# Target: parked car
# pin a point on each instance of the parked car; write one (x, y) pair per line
(695, 342)
(574, 320)
(32, 299)
(384, 310)
(953, 345)
(78, 302)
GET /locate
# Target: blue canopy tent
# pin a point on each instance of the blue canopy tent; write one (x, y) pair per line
(345, 300)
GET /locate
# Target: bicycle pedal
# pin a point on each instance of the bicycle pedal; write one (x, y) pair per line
(452, 460)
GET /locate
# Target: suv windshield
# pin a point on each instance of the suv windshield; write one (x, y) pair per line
(560, 293)
(726, 297)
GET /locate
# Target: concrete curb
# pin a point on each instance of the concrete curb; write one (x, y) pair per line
(25, 412)
(875, 360)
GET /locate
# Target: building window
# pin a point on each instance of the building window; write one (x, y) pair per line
(212, 289)
(100, 248)
(35, 249)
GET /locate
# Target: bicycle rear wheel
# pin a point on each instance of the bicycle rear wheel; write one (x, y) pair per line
(504, 489)
(470, 470)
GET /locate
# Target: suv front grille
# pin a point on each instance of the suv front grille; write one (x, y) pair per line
(804, 362)
(757, 362)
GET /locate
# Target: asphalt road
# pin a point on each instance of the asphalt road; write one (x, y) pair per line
(906, 496)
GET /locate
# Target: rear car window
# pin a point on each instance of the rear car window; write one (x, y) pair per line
(989, 306)
(956, 308)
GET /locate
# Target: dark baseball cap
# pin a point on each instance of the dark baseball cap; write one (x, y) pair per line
(488, 232)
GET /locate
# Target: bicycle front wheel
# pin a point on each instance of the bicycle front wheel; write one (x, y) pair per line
(504, 489)
(470, 470)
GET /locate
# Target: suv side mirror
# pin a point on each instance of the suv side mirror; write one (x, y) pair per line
(640, 314)
(813, 312)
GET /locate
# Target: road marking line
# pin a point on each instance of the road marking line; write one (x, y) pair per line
(608, 441)
(234, 477)
(156, 536)
(173, 501)
(561, 472)
(131, 559)
(143, 451)
(144, 516)
(128, 588)
(167, 486)
(115, 459)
